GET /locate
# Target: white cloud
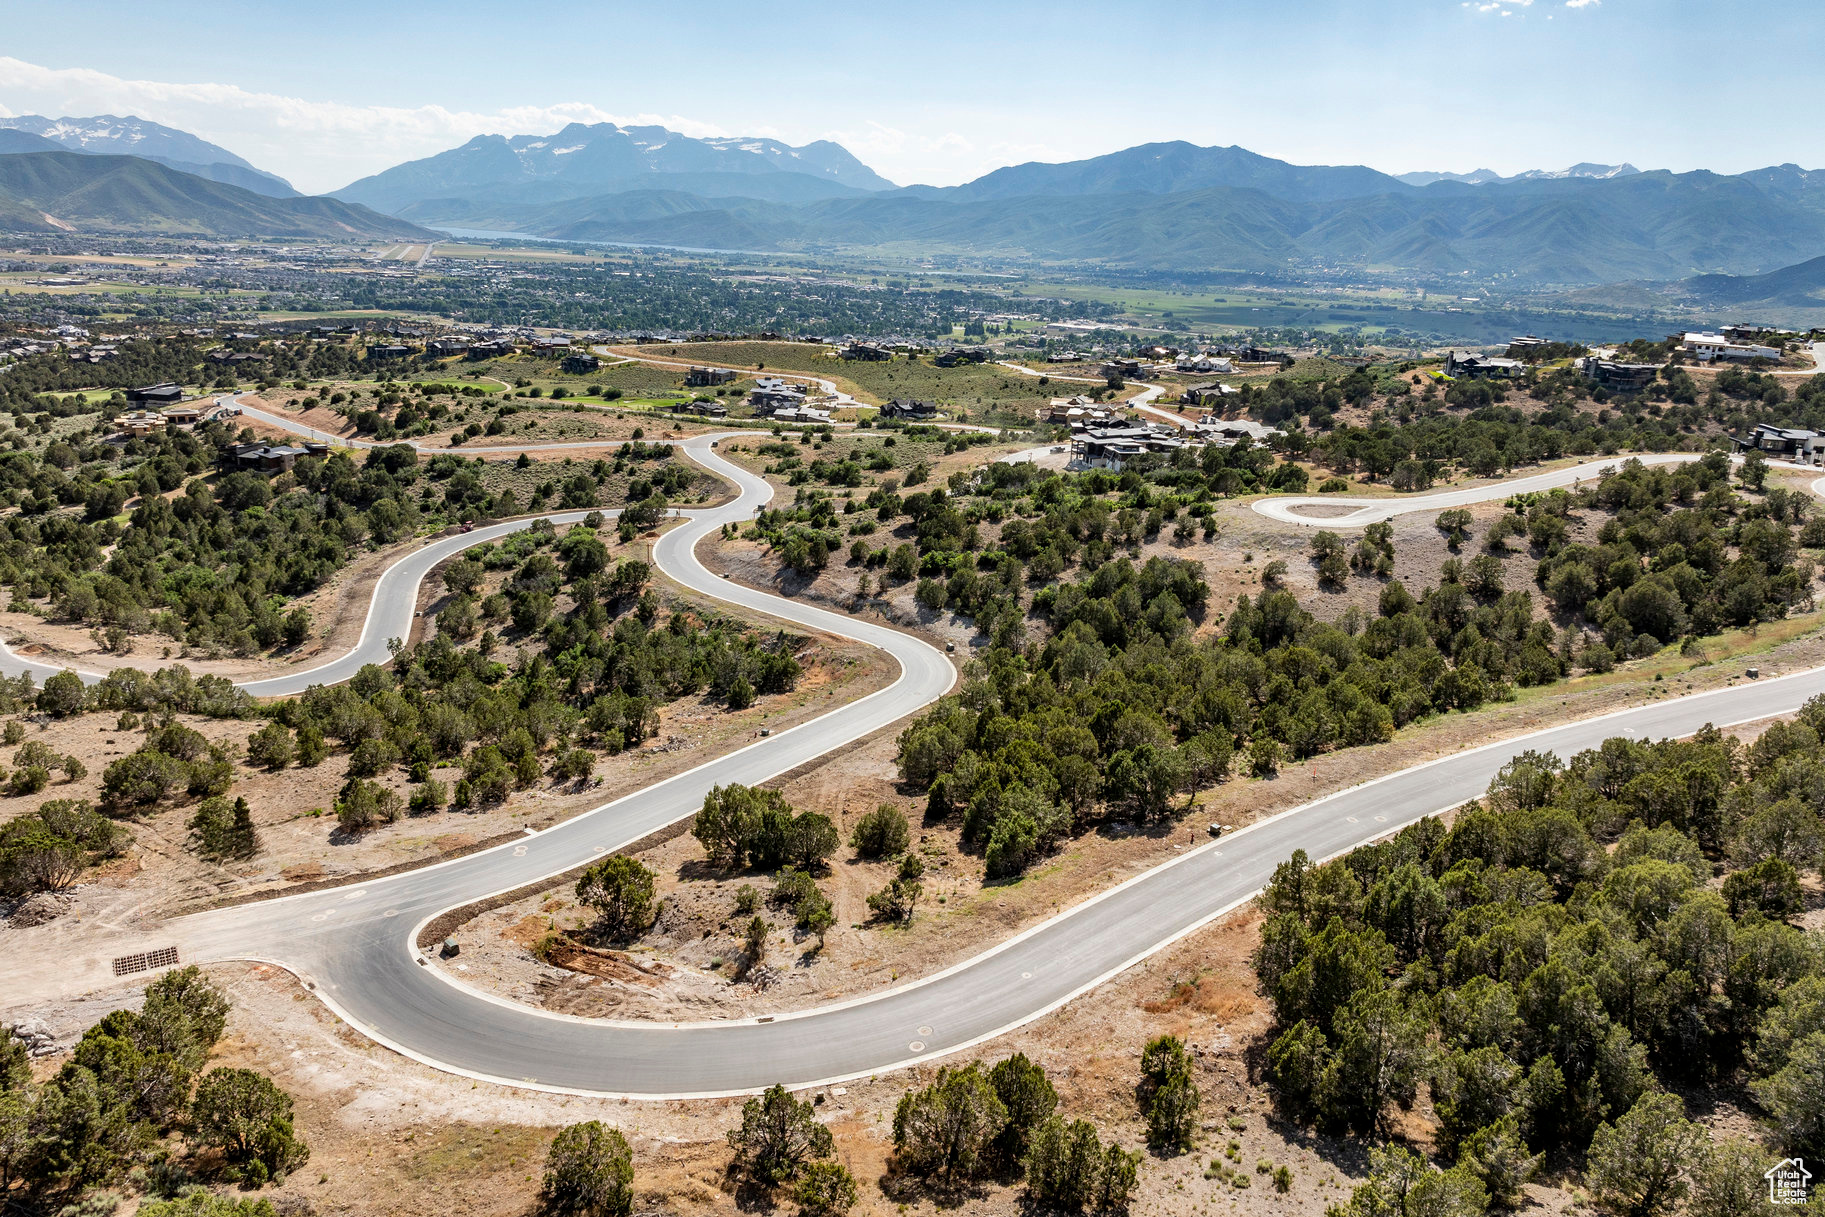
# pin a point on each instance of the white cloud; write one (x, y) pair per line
(1581, 3)
(1504, 8)
(319, 145)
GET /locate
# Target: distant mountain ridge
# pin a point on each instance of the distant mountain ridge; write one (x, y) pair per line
(73, 192)
(1489, 177)
(1798, 286)
(600, 158)
(111, 135)
(1173, 168)
(1555, 231)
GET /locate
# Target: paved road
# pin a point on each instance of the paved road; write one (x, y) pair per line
(1818, 363)
(1286, 508)
(354, 946)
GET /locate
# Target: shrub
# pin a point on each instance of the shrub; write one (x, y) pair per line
(620, 889)
(778, 1138)
(224, 830)
(361, 805)
(947, 1129)
(825, 1189)
(589, 1172)
(270, 747)
(1169, 1094)
(248, 1118)
(881, 833)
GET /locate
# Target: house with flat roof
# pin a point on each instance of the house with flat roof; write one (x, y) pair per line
(1794, 443)
(909, 410)
(140, 423)
(701, 377)
(1708, 348)
(580, 364)
(961, 355)
(1617, 376)
(155, 395)
(1471, 366)
(799, 414)
(274, 458)
(769, 395)
(867, 352)
(183, 416)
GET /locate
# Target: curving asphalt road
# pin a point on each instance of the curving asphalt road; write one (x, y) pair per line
(354, 946)
(1370, 511)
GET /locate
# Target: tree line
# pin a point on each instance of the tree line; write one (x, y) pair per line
(1558, 961)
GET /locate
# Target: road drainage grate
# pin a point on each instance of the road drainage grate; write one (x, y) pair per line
(146, 961)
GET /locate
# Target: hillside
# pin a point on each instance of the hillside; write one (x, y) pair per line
(1799, 286)
(1174, 168)
(1657, 225)
(73, 192)
(1161, 206)
(111, 135)
(592, 159)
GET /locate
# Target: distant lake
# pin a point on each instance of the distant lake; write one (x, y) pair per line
(488, 234)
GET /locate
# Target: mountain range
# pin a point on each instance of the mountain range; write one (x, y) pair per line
(1485, 177)
(602, 158)
(1173, 206)
(59, 191)
(1791, 287)
(1164, 206)
(109, 135)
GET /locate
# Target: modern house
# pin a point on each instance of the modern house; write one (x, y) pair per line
(139, 423)
(1206, 394)
(1746, 333)
(388, 350)
(867, 352)
(962, 355)
(909, 410)
(155, 395)
(770, 394)
(1617, 376)
(1471, 366)
(580, 364)
(1112, 448)
(701, 377)
(1229, 430)
(1708, 348)
(799, 414)
(708, 409)
(444, 347)
(183, 416)
(274, 458)
(1795, 443)
(1125, 368)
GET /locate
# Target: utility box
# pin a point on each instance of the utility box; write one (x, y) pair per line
(450, 947)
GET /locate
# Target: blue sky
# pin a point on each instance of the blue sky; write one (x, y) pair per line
(934, 92)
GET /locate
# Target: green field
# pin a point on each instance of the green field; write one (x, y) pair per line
(972, 392)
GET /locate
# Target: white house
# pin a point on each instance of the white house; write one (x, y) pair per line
(1708, 347)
